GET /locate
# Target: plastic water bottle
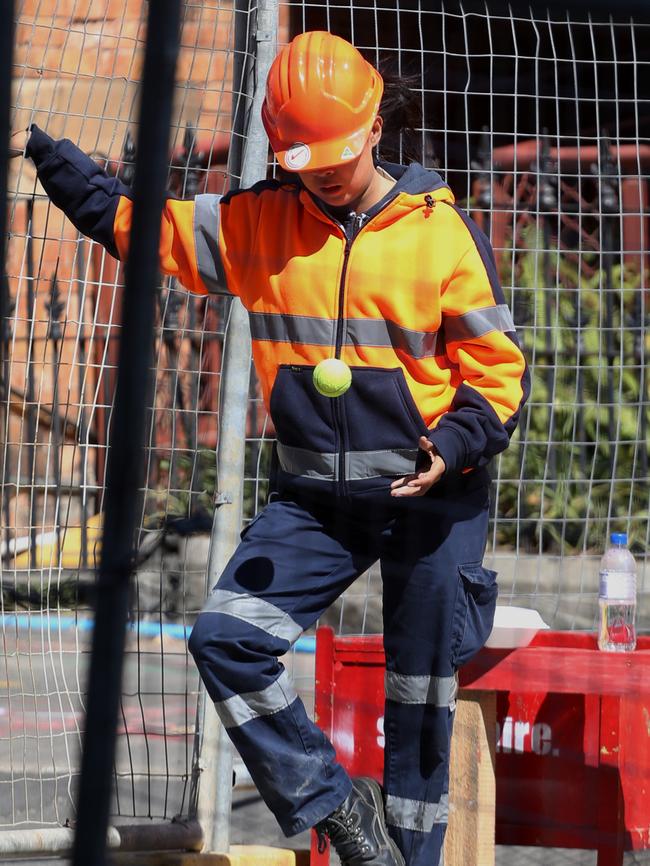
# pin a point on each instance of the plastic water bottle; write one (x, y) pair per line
(617, 597)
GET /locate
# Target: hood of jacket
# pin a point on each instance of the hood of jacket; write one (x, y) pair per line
(414, 184)
(415, 179)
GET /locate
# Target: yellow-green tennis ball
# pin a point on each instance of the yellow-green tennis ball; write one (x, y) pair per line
(332, 377)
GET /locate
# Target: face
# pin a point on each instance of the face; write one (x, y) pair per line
(346, 185)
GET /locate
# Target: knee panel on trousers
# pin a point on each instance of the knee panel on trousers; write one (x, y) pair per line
(233, 656)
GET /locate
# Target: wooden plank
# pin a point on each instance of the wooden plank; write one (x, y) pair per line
(239, 855)
(168, 858)
(472, 785)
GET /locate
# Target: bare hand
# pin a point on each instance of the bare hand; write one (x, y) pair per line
(419, 483)
(18, 142)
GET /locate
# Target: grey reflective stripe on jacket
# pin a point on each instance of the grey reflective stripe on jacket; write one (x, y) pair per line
(416, 814)
(475, 323)
(358, 464)
(206, 241)
(286, 328)
(315, 331)
(435, 691)
(253, 611)
(239, 709)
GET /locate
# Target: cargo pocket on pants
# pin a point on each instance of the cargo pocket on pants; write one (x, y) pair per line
(474, 612)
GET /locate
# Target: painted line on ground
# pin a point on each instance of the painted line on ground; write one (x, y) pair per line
(145, 628)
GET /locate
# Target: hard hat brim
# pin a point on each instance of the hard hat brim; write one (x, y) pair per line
(317, 155)
(310, 155)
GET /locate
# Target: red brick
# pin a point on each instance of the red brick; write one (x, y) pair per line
(30, 9)
(80, 54)
(217, 97)
(42, 32)
(283, 24)
(123, 62)
(129, 30)
(80, 10)
(207, 28)
(34, 41)
(202, 66)
(72, 52)
(193, 65)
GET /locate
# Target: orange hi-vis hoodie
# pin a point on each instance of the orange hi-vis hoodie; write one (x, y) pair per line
(407, 295)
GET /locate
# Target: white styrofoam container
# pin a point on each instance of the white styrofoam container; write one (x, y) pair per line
(514, 627)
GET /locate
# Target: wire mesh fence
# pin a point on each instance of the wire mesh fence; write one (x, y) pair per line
(76, 74)
(540, 123)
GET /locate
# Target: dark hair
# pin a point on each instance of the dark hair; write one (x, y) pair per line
(401, 110)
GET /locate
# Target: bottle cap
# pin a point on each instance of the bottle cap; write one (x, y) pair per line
(618, 537)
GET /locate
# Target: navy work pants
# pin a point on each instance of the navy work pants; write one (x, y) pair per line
(294, 560)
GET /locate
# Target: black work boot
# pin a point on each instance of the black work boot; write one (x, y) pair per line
(357, 829)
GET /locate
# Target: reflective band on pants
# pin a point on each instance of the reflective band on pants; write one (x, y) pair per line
(436, 691)
(239, 709)
(254, 611)
(415, 814)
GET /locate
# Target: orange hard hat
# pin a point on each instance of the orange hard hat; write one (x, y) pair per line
(321, 100)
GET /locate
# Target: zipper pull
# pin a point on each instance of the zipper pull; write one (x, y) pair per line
(430, 203)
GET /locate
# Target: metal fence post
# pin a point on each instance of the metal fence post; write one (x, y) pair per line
(215, 761)
(6, 53)
(125, 464)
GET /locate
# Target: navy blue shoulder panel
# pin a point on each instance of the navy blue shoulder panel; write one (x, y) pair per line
(76, 184)
(261, 186)
(485, 250)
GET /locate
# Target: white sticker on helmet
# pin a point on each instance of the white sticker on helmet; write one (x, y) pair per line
(347, 153)
(298, 156)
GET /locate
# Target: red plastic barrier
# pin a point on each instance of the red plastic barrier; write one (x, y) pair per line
(573, 735)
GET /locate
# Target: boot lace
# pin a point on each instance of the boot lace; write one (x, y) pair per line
(345, 834)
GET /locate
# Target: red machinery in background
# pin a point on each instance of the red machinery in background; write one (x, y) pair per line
(575, 186)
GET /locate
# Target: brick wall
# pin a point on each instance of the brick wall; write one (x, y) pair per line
(77, 66)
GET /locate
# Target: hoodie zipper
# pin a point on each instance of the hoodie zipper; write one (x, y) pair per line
(355, 228)
(337, 409)
(357, 225)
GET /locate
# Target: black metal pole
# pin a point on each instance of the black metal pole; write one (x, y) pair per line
(241, 68)
(5, 399)
(55, 334)
(30, 399)
(82, 424)
(6, 59)
(125, 460)
(169, 325)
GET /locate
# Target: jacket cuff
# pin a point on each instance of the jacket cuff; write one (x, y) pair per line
(39, 146)
(450, 445)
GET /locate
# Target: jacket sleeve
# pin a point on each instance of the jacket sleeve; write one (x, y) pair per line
(493, 381)
(101, 208)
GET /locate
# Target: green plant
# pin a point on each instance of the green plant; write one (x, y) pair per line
(187, 483)
(578, 464)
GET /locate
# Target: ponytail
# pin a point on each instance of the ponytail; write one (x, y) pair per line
(401, 110)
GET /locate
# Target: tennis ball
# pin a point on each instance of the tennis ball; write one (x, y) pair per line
(332, 377)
